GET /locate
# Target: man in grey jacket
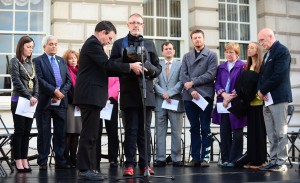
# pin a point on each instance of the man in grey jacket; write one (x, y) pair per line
(198, 73)
(168, 87)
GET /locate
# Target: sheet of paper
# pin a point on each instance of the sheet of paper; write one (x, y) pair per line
(202, 103)
(55, 103)
(77, 111)
(106, 112)
(222, 109)
(171, 106)
(24, 108)
(270, 100)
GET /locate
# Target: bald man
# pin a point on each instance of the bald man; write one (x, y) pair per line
(275, 79)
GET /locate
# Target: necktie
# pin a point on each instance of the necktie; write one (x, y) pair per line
(167, 69)
(56, 72)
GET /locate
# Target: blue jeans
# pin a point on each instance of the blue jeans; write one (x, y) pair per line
(199, 119)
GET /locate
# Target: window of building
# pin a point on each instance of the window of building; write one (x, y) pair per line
(237, 23)
(163, 22)
(19, 18)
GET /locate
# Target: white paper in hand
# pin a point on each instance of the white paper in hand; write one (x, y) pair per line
(77, 111)
(222, 109)
(202, 103)
(270, 100)
(57, 103)
(171, 106)
(24, 108)
(106, 112)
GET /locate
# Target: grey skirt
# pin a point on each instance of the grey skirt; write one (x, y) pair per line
(74, 124)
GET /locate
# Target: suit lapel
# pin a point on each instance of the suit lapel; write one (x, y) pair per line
(163, 68)
(60, 64)
(173, 68)
(47, 63)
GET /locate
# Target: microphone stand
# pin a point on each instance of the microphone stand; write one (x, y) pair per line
(147, 176)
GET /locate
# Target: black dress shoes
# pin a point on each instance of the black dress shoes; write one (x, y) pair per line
(28, 169)
(21, 170)
(43, 167)
(158, 163)
(63, 166)
(90, 175)
(178, 164)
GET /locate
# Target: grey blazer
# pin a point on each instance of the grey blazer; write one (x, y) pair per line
(172, 85)
(201, 70)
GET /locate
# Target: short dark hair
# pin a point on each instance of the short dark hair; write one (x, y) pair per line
(166, 44)
(197, 31)
(20, 47)
(105, 25)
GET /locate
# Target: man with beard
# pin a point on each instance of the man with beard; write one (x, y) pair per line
(198, 73)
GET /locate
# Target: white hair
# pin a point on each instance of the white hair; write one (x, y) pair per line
(47, 38)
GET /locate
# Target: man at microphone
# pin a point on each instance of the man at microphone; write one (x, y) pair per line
(134, 48)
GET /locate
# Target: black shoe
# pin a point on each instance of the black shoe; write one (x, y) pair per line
(178, 164)
(21, 170)
(63, 166)
(113, 164)
(28, 169)
(158, 163)
(43, 167)
(194, 163)
(90, 175)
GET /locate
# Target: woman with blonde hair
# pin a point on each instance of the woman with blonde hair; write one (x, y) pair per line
(247, 88)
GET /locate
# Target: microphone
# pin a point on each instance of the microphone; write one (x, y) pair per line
(140, 37)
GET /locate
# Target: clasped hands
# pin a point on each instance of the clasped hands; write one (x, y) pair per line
(261, 96)
(58, 95)
(166, 97)
(227, 97)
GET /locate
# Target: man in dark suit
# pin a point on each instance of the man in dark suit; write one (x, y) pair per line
(131, 93)
(275, 80)
(91, 93)
(54, 83)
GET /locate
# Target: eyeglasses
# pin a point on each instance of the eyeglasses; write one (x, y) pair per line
(137, 23)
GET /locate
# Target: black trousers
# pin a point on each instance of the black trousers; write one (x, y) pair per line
(112, 133)
(231, 141)
(256, 136)
(134, 135)
(43, 122)
(22, 128)
(86, 156)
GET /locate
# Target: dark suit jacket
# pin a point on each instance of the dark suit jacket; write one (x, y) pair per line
(131, 85)
(92, 77)
(275, 74)
(46, 79)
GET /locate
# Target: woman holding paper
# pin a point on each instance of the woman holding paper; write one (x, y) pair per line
(231, 127)
(73, 123)
(246, 88)
(111, 125)
(25, 84)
